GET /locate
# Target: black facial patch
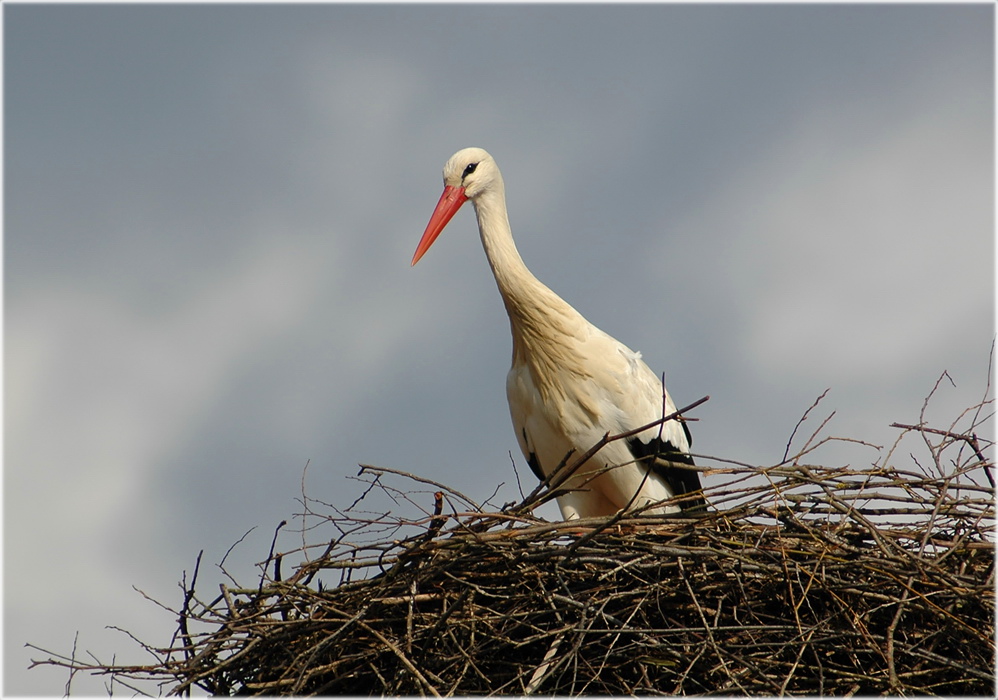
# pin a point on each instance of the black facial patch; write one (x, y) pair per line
(469, 170)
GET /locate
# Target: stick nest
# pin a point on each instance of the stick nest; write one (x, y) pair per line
(800, 579)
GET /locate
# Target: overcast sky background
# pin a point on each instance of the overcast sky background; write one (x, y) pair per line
(210, 213)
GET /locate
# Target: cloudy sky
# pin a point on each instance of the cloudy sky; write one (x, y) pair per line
(210, 212)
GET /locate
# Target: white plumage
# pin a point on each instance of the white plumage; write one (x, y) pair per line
(570, 383)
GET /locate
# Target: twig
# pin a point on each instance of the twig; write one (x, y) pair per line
(185, 635)
(385, 470)
(969, 439)
(270, 556)
(803, 418)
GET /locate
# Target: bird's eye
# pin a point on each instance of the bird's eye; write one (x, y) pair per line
(469, 170)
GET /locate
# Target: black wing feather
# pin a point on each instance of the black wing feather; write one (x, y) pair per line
(667, 460)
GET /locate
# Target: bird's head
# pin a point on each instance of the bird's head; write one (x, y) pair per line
(471, 170)
(468, 174)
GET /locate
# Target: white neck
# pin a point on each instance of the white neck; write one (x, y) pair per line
(512, 275)
(535, 312)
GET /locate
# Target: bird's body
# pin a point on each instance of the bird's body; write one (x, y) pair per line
(570, 384)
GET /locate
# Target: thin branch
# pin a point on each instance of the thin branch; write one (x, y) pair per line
(803, 418)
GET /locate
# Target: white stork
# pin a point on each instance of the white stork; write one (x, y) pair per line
(570, 383)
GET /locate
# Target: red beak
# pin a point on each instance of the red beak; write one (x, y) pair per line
(450, 201)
